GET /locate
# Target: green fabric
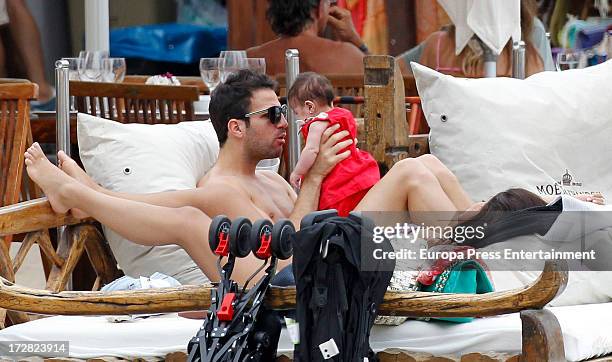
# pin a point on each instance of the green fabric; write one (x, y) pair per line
(464, 277)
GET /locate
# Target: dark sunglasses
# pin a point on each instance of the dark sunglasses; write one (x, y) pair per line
(274, 113)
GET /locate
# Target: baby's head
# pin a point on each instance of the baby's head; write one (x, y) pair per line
(310, 94)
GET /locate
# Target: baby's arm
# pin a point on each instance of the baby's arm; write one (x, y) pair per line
(310, 151)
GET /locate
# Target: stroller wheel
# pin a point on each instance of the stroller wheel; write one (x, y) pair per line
(239, 237)
(261, 235)
(281, 239)
(317, 216)
(219, 230)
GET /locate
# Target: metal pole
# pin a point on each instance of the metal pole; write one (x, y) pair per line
(292, 69)
(62, 128)
(518, 60)
(62, 125)
(490, 62)
(96, 25)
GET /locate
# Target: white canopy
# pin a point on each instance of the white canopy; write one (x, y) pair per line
(493, 21)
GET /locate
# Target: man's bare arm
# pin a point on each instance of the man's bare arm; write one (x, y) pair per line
(328, 157)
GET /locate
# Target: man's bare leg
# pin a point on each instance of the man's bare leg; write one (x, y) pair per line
(449, 182)
(195, 243)
(142, 223)
(408, 186)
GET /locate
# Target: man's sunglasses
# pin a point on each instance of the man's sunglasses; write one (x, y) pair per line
(274, 113)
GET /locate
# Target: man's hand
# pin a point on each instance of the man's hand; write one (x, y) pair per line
(342, 25)
(328, 156)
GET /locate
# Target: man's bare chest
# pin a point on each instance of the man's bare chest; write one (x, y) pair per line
(270, 199)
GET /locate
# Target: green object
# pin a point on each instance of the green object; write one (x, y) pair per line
(464, 277)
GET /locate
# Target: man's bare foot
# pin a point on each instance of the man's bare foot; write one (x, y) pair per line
(54, 183)
(69, 166)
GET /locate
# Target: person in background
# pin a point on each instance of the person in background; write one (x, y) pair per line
(299, 25)
(311, 98)
(4, 20)
(26, 37)
(438, 50)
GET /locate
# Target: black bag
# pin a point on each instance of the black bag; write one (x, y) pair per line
(337, 302)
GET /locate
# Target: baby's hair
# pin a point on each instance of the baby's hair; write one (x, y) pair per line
(310, 86)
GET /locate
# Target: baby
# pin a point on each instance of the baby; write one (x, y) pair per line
(311, 98)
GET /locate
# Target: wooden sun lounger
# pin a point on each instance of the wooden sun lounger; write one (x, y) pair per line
(541, 331)
(385, 136)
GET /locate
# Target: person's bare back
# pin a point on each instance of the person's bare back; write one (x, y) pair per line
(316, 54)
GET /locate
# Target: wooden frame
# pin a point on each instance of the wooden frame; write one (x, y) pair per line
(540, 325)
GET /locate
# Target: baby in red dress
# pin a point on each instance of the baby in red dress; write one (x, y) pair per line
(311, 98)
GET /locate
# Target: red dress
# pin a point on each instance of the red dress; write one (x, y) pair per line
(350, 180)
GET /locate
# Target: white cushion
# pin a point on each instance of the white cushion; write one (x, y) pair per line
(586, 334)
(498, 133)
(140, 158)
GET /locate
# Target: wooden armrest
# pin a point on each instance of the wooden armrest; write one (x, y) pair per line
(551, 282)
(32, 216)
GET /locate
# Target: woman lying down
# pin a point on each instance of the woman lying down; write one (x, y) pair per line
(437, 184)
(521, 230)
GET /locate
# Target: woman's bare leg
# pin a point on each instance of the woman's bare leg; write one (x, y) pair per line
(409, 186)
(448, 181)
(139, 222)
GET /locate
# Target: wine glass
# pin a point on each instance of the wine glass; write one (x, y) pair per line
(114, 70)
(232, 61)
(257, 65)
(209, 71)
(91, 66)
(567, 60)
(73, 68)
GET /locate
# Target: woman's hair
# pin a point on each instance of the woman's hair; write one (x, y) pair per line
(472, 63)
(513, 208)
(506, 201)
(310, 86)
(290, 17)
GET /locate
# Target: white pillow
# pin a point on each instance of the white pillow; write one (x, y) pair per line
(139, 158)
(549, 133)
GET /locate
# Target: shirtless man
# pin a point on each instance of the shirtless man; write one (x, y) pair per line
(247, 117)
(299, 24)
(232, 187)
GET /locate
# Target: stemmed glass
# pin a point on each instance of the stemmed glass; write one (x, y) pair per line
(257, 65)
(232, 61)
(567, 60)
(73, 68)
(114, 70)
(91, 66)
(210, 72)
